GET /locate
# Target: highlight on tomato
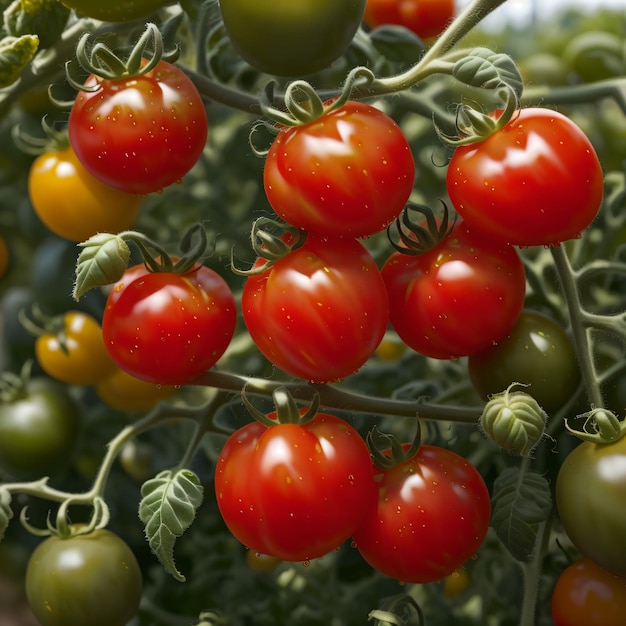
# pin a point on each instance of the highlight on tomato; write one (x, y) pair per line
(74, 204)
(585, 594)
(432, 515)
(456, 298)
(320, 311)
(295, 485)
(535, 182)
(348, 173)
(165, 327)
(426, 18)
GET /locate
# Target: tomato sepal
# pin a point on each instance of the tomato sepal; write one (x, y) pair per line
(601, 426)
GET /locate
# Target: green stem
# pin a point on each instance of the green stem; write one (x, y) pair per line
(341, 399)
(580, 332)
(577, 94)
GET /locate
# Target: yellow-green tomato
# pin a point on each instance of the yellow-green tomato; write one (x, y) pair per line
(115, 10)
(84, 580)
(291, 37)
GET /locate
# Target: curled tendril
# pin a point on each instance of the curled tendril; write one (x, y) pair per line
(414, 238)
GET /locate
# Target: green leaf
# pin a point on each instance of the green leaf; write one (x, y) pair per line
(103, 260)
(15, 54)
(6, 513)
(397, 44)
(44, 18)
(168, 507)
(488, 70)
(520, 502)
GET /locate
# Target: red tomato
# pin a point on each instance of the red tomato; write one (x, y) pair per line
(295, 492)
(432, 516)
(140, 133)
(457, 298)
(538, 181)
(587, 595)
(426, 18)
(349, 173)
(320, 312)
(168, 328)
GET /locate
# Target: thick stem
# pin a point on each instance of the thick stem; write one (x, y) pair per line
(532, 574)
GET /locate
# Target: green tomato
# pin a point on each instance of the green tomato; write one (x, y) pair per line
(537, 352)
(291, 37)
(91, 579)
(39, 427)
(591, 502)
(117, 11)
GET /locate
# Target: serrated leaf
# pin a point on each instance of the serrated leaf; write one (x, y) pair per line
(102, 261)
(488, 70)
(167, 509)
(397, 43)
(520, 502)
(6, 513)
(15, 54)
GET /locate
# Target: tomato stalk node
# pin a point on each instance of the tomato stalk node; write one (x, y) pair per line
(287, 411)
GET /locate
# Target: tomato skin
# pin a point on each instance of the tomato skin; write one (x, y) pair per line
(85, 359)
(38, 430)
(320, 312)
(432, 516)
(590, 500)
(457, 298)
(72, 203)
(119, 11)
(426, 18)
(4, 257)
(169, 328)
(537, 181)
(349, 173)
(277, 485)
(85, 579)
(537, 352)
(587, 595)
(291, 39)
(142, 133)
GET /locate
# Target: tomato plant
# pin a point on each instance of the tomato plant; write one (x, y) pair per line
(426, 18)
(89, 578)
(320, 311)
(587, 595)
(349, 173)
(553, 168)
(458, 297)
(432, 516)
(590, 503)
(537, 352)
(115, 11)
(74, 204)
(74, 351)
(139, 133)
(168, 328)
(288, 40)
(276, 485)
(39, 428)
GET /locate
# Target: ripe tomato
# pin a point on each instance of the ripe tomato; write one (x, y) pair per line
(537, 181)
(348, 173)
(320, 312)
(72, 203)
(457, 298)
(76, 354)
(115, 11)
(294, 492)
(39, 428)
(85, 579)
(587, 595)
(168, 328)
(289, 39)
(4, 257)
(124, 392)
(590, 501)
(432, 516)
(426, 18)
(537, 352)
(140, 133)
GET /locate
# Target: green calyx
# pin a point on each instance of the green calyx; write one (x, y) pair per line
(53, 139)
(287, 410)
(387, 451)
(601, 426)
(99, 60)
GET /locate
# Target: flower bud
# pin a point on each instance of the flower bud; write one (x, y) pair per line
(514, 420)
